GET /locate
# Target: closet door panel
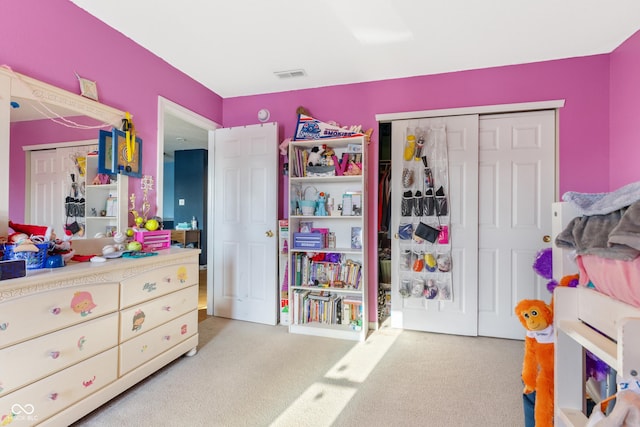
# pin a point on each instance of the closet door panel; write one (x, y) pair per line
(516, 184)
(454, 165)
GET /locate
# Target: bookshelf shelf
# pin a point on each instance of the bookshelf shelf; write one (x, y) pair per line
(331, 250)
(315, 308)
(327, 289)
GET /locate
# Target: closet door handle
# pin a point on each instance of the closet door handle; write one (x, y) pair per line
(546, 238)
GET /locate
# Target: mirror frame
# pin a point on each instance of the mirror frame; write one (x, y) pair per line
(13, 84)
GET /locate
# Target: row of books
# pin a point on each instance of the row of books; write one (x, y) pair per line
(298, 164)
(327, 308)
(347, 273)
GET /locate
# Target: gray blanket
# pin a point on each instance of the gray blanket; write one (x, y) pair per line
(615, 235)
(603, 203)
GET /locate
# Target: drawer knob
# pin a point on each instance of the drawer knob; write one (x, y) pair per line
(4, 326)
(56, 310)
(53, 396)
(166, 337)
(167, 308)
(54, 354)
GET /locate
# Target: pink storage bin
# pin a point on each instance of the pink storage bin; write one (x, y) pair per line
(153, 240)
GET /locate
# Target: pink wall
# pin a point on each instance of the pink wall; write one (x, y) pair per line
(52, 40)
(582, 82)
(624, 114)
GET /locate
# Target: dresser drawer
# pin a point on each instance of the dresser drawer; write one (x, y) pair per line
(139, 350)
(34, 315)
(154, 283)
(138, 319)
(39, 357)
(36, 402)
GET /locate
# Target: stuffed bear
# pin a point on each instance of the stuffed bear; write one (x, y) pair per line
(537, 369)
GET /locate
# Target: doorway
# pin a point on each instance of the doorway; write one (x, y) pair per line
(183, 131)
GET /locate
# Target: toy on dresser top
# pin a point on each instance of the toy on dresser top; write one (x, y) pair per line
(36, 238)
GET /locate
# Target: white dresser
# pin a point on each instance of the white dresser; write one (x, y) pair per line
(73, 338)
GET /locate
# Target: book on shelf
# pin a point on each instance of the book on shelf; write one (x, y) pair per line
(346, 313)
(298, 264)
(319, 307)
(319, 295)
(352, 310)
(356, 237)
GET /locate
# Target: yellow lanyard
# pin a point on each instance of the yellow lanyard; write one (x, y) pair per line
(130, 135)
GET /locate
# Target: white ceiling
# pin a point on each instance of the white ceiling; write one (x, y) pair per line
(235, 47)
(182, 135)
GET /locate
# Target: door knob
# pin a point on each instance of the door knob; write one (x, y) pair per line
(546, 239)
(269, 233)
(396, 236)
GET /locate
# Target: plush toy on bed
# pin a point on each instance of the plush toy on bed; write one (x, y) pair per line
(537, 368)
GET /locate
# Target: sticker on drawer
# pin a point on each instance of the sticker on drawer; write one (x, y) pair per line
(82, 303)
(159, 281)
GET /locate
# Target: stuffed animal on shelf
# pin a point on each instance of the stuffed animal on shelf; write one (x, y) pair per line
(315, 156)
(284, 146)
(537, 369)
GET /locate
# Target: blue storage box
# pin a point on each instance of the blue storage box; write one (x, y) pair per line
(308, 241)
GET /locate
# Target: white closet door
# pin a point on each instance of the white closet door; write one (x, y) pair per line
(517, 186)
(459, 316)
(502, 180)
(46, 192)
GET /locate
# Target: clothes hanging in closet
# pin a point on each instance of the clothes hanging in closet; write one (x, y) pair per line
(384, 198)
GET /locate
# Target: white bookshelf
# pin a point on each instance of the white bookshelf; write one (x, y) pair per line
(96, 197)
(307, 316)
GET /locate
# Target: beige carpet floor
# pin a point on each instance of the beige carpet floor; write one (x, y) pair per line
(247, 374)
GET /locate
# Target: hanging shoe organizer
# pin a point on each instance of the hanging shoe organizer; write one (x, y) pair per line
(424, 230)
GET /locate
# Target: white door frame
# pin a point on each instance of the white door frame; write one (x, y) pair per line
(166, 106)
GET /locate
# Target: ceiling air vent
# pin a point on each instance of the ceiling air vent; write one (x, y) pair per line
(290, 74)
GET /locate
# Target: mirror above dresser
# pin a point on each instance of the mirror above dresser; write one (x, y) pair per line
(33, 112)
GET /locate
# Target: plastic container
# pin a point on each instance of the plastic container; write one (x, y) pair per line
(308, 207)
(34, 260)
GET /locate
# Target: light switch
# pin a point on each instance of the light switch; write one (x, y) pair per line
(180, 202)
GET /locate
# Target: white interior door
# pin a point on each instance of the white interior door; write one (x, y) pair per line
(459, 316)
(517, 185)
(245, 223)
(46, 201)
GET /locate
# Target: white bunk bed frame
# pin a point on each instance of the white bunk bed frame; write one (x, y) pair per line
(578, 312)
